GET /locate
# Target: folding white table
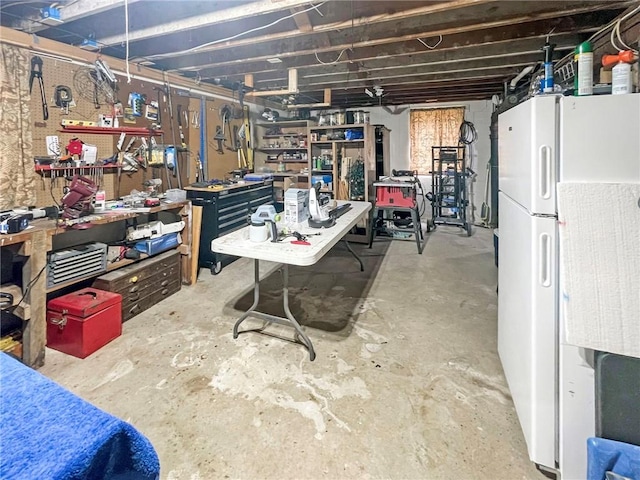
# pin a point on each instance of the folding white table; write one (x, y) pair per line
(238, 244)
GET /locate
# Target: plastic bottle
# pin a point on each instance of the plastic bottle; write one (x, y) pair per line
(621, 79)
(584, 75)
(547, 83)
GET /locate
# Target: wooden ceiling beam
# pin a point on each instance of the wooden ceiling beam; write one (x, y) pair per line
(492, 75)
(215, 17)
(291, 49)
(435, 60)
(380, 77)
(533, 32)
(69, 13)
(320, 28)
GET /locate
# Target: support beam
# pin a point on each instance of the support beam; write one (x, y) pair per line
(420, 27)
(69, 13)
(292, 87)
(207, 20)
(303, 22)
(504, 54)
(325, 103)
(322, 31)
(563, 30)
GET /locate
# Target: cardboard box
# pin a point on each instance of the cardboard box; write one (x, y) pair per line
(296, 205)
(84, 321)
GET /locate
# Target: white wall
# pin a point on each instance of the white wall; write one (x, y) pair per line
(476, 111)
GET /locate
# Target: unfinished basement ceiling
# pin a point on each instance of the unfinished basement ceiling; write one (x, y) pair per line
(414, 51)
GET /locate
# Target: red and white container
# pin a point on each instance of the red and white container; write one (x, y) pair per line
(84, 321)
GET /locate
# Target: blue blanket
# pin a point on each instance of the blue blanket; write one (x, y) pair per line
(50, 433)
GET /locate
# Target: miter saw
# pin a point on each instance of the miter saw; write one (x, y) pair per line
(322, 212)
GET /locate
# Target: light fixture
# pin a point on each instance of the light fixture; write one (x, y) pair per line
(274, 60)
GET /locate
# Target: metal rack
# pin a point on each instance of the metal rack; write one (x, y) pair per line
(448, 196)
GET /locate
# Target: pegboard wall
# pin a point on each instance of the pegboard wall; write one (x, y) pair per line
(54, 73)
(57, 72)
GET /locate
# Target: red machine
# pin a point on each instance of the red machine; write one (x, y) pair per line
(78, 198)
(84, 321)
(398, 191)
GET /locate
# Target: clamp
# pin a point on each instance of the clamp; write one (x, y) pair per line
(36, 72)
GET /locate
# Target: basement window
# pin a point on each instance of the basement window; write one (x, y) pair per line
(433, 127)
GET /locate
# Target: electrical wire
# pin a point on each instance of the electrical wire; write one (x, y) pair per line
(468, 133)
(429, 46)
(126, 41)
(601, 31)
(330, 63)
(233, 37)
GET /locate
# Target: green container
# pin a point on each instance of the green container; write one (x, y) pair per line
(583, 83)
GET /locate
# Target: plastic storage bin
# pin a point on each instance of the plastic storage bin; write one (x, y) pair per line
(158, 245)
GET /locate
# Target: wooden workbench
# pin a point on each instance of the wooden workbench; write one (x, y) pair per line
(37, 241)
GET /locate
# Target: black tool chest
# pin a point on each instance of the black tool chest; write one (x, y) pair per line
(224, 211)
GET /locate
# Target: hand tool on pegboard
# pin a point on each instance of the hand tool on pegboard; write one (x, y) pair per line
(36, 72)
(183, 143)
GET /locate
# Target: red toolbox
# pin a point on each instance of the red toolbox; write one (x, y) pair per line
(84, 321)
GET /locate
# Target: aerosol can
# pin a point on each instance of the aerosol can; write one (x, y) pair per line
(584, 75)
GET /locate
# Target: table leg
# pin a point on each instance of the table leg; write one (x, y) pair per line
(355, 255)
(290, 320)
(417, 229)
(294, 323)
(256, 297)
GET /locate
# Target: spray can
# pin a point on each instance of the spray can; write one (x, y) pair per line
(547, 82)
(621, 79)
(584, 76)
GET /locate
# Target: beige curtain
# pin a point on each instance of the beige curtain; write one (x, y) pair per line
(434, 127)
(17, 174)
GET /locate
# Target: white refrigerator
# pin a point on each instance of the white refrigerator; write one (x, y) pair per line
(542, 141)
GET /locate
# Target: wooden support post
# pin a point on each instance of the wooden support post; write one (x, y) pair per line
(196, 216)
(186, 257)
(35, 332)
(293, 80)
(327, 96)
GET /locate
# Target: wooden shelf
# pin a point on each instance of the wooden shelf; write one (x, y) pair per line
(49, 168)
(112, 131)
(286, 161)
(287, 135)
(360, 140)
(338, 127)
(282, 149)
(110, 267)
(123, 262)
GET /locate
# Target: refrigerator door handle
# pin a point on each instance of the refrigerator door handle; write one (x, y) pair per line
(544, 159)
(544, 260)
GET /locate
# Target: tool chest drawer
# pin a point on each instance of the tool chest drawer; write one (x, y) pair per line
(224, 211)
(143, 284)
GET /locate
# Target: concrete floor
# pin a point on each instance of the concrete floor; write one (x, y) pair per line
(407, 383)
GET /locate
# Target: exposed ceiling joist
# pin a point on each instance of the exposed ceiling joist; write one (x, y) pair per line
(324, 28)
(213, 18)
(286, 50)
(68, 13)
(483, 39)
(498, 53)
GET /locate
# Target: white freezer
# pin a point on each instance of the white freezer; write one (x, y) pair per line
(527, 154)
(527, 316)
(548, 139)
